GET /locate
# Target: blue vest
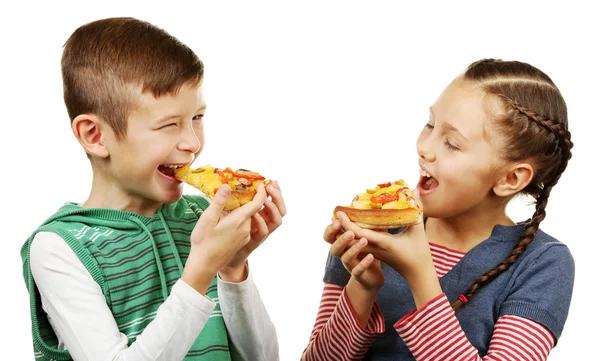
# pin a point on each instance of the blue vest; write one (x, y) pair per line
(538, 286)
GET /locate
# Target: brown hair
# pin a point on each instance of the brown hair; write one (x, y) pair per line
(106, 62)
(532, 124)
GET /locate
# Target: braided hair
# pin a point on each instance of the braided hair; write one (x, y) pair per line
(533, 125)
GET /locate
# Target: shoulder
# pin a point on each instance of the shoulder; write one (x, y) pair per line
(45, 245)
(545, 247)
(48, 252)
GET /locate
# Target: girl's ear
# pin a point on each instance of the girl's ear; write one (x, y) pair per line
(88, 129)
(517, 177)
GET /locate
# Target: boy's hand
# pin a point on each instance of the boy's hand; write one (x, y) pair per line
(262, 225)
(218, 236)
(365, 269)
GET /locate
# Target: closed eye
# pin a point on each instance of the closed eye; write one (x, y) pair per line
(198, 117)
(450, 146)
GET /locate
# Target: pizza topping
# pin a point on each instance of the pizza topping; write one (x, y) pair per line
(384, 198)
(389, 195)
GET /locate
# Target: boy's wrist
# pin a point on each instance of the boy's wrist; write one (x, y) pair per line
(234, 273)
(199, 280)
(199, 272)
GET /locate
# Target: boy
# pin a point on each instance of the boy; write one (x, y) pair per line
(139, 271)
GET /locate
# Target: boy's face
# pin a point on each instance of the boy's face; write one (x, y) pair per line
(160, 132)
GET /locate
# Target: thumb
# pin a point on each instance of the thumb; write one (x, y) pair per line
(417, 199)
(419, 228)
(212, 214)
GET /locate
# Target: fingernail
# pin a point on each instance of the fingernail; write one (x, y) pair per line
(336, 224)
(348, 235)
(362, 242)
(369, 257)
(270, 188)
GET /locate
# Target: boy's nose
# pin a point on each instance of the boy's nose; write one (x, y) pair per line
(189, 142)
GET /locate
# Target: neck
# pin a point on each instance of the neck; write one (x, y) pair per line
(105, 194)
(464, 231)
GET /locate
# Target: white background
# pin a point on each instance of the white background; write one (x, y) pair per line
(327, 98)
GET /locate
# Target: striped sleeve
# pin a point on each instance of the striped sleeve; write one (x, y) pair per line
(337, 335)
(433, 333)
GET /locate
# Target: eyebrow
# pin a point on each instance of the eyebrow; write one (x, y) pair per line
(449, 127)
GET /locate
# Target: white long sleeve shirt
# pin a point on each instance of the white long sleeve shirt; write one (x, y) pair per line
(71, 298)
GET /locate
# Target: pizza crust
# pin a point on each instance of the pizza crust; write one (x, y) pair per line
(382, 218)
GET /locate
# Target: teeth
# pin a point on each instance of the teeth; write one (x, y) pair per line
(172, 166)
(424, 173)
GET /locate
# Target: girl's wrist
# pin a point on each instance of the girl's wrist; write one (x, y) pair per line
(424, 285)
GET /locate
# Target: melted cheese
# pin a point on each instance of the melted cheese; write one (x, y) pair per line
(405, 197)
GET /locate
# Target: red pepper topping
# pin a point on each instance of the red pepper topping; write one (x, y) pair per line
(384, 198)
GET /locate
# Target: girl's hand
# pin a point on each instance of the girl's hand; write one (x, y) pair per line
(364, 268)
(407, 252)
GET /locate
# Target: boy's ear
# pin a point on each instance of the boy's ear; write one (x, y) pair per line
(88, 129)
(516, 178)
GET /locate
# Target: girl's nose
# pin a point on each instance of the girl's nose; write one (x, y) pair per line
(424, 152)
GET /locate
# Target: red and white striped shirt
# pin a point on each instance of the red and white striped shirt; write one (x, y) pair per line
(431, 332)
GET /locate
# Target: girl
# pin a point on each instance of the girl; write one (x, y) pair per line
(468, 283)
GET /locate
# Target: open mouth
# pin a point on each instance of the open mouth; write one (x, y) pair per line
(427, 181)
(169, 169)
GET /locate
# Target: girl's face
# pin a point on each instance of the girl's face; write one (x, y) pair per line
(457, 154)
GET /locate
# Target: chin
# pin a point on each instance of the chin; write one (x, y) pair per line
(172, 197)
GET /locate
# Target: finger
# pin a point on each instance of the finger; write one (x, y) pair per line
(341, 244)
(213, 213)
(275, 194)
(363, 265)
(252, 207)
(332, 232)
(417, 199)
(276, 184)
(271, 214)
(350, 257)
(259, 227)
(347, 224)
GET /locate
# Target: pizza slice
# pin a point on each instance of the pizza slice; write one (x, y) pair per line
(389, 205)
(209, 179)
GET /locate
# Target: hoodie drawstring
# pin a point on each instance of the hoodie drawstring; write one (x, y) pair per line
(171, 242)
(161, 271)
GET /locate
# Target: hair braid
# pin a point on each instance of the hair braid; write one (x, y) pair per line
(564, 139)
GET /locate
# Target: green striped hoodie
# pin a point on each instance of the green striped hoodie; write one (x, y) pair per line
(136, 260)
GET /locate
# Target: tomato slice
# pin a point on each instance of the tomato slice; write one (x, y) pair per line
(384, 198)
(384, 185)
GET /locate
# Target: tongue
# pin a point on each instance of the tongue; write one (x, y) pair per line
(430, 183)
(166, 170)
